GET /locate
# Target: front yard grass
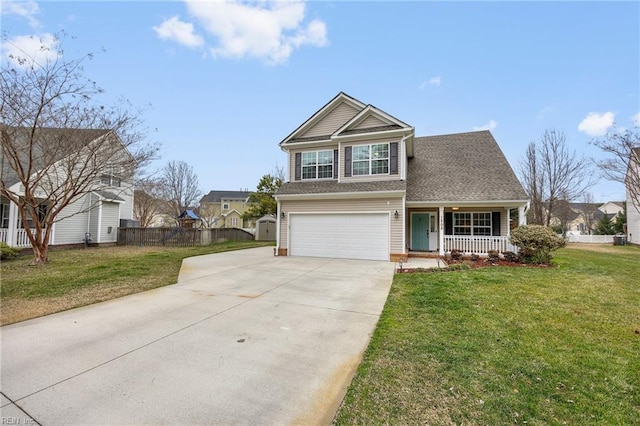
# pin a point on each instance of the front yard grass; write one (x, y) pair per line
(506, 345)
(83, 276)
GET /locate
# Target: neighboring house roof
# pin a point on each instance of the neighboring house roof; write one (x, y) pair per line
(217, 196)
(461, 167)
(188, 214)
(332, 186)
(48, 136)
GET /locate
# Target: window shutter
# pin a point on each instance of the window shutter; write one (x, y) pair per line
(448, 223)
(393, 158)
(298, 166)
(347, 161)
(335, 164)
(495, 224)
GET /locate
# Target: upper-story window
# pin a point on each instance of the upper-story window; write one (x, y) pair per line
(371, 159)
(225, 206)
(317, 165)
(110, 180)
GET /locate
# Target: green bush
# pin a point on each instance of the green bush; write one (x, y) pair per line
(511, 256)
(536, 242)
(7, 252)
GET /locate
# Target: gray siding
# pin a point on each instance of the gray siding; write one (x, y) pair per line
(335, 119)
(71, 229)
(110, 218)
(633, 222)
(371, 121)
(348, 206)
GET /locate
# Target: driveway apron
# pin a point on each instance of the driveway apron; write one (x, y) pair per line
(243, 338)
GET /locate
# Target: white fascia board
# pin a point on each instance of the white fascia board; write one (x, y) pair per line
(340, 195)
(373, 135)
(101, 198)
(494, 203)
(311, 144)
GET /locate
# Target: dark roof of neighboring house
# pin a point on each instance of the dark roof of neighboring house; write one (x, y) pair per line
(332, 186)
(44, 136)
(217, 196)
(461, 167)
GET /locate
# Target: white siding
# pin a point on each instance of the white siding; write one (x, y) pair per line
(292, 158)
(110, 219)
(94, 218)
(71, 229)
(633, 223)
(335, 119)
(389, 205)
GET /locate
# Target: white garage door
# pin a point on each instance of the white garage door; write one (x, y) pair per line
(346, 236)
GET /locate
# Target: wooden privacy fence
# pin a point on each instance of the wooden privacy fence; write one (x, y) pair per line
(179, 237)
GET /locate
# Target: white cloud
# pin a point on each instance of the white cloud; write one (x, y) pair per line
(267, 29)
(492, 124)
(25, 9)
(636, 119)
(26, 50)
(434, 81)
(595, 124)
(178, 31)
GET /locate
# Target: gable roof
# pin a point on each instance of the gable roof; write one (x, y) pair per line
(342, 116)
(217, 196)
(44, 135)
(189, 214)
(461, 167)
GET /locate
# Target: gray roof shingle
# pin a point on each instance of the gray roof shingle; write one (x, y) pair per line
(217, 196)
(461, 167)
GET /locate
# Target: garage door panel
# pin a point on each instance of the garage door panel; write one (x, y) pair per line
(348, 236)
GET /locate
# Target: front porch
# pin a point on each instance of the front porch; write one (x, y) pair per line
(18, 238)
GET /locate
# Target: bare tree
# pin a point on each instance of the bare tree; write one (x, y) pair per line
(532, 179)
(551, 173)
(180, 187)
(589, 212)
(208, 216)
(623, 162)
(58, 143)
(147, 201)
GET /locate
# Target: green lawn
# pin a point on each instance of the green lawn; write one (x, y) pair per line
(503, 345)
(80, 277)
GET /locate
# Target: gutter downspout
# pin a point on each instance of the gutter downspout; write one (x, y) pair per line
(403, 149)
(278, 210)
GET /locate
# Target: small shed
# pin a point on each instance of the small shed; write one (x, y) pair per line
(266, 228)
(188, 219)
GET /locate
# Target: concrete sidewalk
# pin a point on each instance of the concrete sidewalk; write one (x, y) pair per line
(243, 338)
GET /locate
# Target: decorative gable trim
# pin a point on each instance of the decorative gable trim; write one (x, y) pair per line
(371, 114)
(322, 113)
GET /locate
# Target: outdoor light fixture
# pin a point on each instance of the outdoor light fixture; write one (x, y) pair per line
(396, 214)
(282, 215)
(455, 208)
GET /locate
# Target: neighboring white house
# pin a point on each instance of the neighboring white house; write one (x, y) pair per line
(95, 213)
(633, 211)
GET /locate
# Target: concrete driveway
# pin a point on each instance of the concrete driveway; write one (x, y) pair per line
(243, 338)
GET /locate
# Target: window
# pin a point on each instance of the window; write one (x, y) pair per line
(4, 215)
(234, 221)
(225, 206)
(41, 211)
(317, 165)
(110, 180)
(472, 224)
(371, 159)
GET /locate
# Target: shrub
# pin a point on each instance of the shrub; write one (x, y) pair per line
(511, 256)
(7, 252)
(474, 257)
(536, 242)
(456, 254)
(494, 255)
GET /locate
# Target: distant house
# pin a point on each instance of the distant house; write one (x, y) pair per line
(363, 186)
(224, 209)
(633, 192)
(95, 214)
(583, 218)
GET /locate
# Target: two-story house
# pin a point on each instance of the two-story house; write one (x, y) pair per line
(363, 186)
(224, 209)
(632, 185)
(104, 195)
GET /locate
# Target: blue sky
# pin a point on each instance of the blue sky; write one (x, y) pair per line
(225, 82)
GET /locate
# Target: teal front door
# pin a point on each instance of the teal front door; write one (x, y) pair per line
(420, 231)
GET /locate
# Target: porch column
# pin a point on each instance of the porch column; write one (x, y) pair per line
(13, 224)
(441, 232)
(522, 218)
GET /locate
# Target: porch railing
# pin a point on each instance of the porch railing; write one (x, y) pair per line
(21, 237)
(479, 245)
